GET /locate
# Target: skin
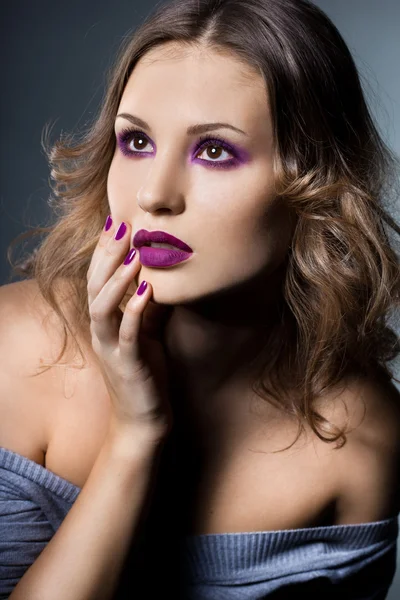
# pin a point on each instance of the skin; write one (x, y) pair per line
(225, 297)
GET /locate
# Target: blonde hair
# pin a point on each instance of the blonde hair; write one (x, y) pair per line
(331, 166)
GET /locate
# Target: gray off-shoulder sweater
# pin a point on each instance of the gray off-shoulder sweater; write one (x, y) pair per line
(352, 562)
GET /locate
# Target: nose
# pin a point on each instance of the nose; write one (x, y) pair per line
(161, 190)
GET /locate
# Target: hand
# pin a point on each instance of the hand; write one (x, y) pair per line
(128, 344)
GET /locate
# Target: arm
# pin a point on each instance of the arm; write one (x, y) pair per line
(84, 559)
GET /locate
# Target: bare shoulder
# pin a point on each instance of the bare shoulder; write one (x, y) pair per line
(23, 428)
(45, 417)
(20, 331)
(30, 333)
(368, 465)
(28, 337)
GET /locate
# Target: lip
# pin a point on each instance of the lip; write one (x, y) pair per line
(161, 257)
(143, 237)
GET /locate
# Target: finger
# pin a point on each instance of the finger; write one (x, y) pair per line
(104, 310)
(110, 254)
(101, 243)
(132, 322)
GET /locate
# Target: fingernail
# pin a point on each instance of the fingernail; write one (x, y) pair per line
(108, 223)
(121, 231)
(141, 288)
(130, 256)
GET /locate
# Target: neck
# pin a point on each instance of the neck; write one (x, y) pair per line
(214, 344)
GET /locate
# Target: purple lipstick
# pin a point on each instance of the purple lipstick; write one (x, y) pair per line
(151, 255)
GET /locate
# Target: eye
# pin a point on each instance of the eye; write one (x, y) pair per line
(133, 141)
(214, 144)
(127, 139)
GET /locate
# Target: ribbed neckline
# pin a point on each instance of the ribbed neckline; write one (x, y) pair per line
(360, 533)
(248, 557)
(12, 461)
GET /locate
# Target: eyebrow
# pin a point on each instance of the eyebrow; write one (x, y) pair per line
(192, 130)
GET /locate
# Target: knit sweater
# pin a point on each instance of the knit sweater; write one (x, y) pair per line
(352, 562)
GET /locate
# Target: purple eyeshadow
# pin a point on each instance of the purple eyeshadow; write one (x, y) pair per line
(124, 137)
(240, 156)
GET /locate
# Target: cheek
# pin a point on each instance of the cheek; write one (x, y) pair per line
(262, 232)
(116, 184)
(111, 179)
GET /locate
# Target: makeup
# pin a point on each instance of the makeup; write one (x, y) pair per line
(161, 257)
(150, 238)
(238, 156)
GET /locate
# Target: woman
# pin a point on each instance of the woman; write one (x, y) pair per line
(235, 433)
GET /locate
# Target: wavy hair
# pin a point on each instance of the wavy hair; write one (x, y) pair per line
(331, 166)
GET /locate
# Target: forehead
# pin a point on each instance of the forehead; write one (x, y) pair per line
(196, 85)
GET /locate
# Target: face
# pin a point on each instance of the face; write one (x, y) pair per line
(215, 190)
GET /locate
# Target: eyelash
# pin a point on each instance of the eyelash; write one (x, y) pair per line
(127, 135)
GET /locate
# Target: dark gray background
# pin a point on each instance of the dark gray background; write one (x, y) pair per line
(54, 57)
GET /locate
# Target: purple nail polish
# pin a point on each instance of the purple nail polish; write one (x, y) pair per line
(130, 256)
(141, 288)
(108, 223)
(121, 231)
